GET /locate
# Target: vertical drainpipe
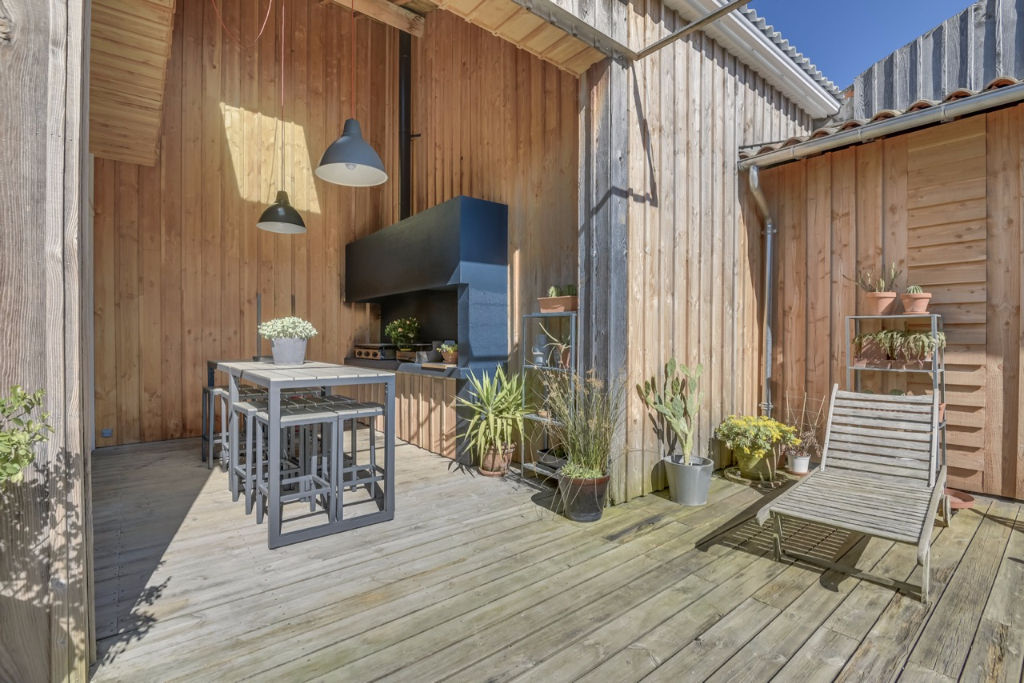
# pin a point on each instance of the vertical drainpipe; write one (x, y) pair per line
(769, 283)
(404, 125)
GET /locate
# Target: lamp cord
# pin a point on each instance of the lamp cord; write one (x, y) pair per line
(234, 36)
(281, 115)
(352, 65)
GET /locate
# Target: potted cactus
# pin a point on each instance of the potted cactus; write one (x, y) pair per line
(879, 293)
(288, 337)
(672, 409)
(560, 299)
(915, 300)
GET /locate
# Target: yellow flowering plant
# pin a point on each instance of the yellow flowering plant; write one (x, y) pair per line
(756, 436)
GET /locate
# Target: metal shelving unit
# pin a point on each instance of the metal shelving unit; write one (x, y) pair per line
(937, 371)
(529, 357)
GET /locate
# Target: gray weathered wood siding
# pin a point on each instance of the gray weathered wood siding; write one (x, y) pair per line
(44, 606)
(670, 256)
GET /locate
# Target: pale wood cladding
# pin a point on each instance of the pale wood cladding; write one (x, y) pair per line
(944, 203)
(425, 410)
(694, 248)
(178, 258)
(516, 24)
(129, 49)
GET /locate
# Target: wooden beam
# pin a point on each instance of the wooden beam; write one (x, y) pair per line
(388, 13)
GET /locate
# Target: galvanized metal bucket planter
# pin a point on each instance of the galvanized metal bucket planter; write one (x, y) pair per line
(583, 499)
(689, 484)
(288, 351)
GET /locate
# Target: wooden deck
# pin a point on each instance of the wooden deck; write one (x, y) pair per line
(476, 579)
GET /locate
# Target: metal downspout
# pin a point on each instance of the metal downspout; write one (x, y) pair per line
(769, 283)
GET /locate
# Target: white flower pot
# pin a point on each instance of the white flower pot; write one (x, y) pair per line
(288, 351)
(798, 464)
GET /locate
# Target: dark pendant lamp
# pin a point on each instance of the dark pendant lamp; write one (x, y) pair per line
(350, 160)
(281, 217)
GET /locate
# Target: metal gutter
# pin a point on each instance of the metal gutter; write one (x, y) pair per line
(940, 113)
(770, 231)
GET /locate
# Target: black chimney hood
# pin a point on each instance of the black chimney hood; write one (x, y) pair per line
(455, 253)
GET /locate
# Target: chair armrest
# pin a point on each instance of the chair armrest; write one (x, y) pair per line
(929, 521)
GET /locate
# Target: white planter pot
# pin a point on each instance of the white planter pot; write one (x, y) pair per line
(288, 351)
(798, 464)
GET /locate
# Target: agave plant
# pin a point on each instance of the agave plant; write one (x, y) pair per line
(674, 406)
(496, 412)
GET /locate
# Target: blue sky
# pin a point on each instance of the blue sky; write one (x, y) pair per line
(845, 38)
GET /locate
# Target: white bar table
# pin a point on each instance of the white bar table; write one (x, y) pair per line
(308, 375)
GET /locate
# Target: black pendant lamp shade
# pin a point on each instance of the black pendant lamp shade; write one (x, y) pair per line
(281, 217)
(351, 161)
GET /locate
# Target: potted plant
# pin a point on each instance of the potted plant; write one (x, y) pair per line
(19, 432)
(403, 332)
(585, 414)
(288, 337)
(753, 439)
(915, 299)
(449, 353)
(496, 413)
(870, 351)
(880, 293)
(798, 455)
(560, 299)
(894, 343)
(918, 347)
(672, 409)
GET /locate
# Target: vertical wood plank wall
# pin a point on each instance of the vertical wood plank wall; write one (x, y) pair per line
(694, 243)
(178, 258)
(944, 203)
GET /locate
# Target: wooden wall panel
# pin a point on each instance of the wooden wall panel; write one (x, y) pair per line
(944, 203)
(179, 260)
(692, 289)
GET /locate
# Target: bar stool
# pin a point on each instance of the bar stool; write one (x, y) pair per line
(353, 474)
(313, 428)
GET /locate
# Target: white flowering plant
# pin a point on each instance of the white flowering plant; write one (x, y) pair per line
(289, 327)
(402, 331)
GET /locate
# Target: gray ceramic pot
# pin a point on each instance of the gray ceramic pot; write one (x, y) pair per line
(288, 351)
(688, 484)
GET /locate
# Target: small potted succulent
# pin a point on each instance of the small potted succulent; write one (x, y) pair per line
(586, 412)
(919, 347)
(288, 337)
(753, 440)
(880, 293)
(496, 409)
(915, 300)
(870, 351)
(449, 353)
(20, 432)
(403, 332)
(560, 299)
(672, 408)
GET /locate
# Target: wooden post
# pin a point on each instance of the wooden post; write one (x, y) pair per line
(44, 597)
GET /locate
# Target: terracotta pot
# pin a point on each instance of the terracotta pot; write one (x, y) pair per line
(916, 303)
(583, 499)
(558, 304)
(871, 354)
(879, 303)
(450, 357)
(495, 462)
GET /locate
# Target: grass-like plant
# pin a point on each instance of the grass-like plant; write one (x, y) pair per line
(885, 282)
(289, 327)
(586, 412)
(674, 406)
(20, 431)
(402, 331)
(496, 410)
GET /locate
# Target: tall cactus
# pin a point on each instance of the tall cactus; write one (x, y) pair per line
(674, 405)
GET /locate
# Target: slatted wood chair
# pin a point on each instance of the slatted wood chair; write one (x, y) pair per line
(879, 476)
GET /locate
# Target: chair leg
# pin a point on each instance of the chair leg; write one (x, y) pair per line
(233, 463)
(225, 415)
(259, 472)
(250, 475)
(337, 463)
(947, 513)
(778, 536)
(926, 576)
(208, 409)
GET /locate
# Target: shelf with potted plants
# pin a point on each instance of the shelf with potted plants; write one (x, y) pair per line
(903, 349)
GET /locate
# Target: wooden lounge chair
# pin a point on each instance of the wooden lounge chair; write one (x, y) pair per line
(879, 476)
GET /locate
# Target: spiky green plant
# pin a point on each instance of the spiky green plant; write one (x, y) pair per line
(585, 414)
(914, 289)
(674, 406)
(496, 412)
(885, 282)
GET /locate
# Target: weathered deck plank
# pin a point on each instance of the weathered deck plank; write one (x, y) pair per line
(478, 579)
